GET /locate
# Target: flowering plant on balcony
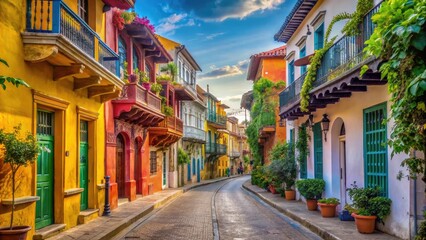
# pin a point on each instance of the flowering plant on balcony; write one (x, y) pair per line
(164, 77)
(144, 21)
(156, 88)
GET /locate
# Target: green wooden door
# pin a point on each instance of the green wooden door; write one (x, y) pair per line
(45, 169)
(303, 163)
(318, 168)
(84, 178)
(164, 169)
(375, 150)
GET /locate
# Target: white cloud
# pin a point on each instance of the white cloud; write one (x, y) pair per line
(225, 71)
(173, 22)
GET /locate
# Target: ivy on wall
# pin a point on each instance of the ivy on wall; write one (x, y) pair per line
(262, 113)
(400, 40)
(351, 28)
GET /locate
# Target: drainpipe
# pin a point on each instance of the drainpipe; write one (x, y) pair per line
(415, 203)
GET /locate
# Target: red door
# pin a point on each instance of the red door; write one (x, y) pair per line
(120, 167)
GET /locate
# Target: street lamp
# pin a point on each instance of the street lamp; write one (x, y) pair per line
(325, 124)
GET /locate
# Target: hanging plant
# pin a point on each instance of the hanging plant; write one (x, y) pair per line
(350, 29)
(117, 19)
(302, 144)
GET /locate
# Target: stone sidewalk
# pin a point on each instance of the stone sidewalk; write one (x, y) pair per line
(327, 228)
(127, 214)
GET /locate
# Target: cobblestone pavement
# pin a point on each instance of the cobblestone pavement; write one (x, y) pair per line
(239, 217)
(188, 217)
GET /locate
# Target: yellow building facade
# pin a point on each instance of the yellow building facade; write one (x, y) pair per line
(69, 82)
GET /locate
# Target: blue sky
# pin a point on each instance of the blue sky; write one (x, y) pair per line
(221, 35)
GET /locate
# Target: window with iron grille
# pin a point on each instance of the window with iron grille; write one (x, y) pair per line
(153, 161)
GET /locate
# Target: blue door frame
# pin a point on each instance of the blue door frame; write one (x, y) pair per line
(198, 170)
(189, 171)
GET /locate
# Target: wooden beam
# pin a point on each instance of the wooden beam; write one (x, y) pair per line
(80, 83)
(153, 54)
(145, 41)
(62, 72)
(149, 48)
(339, 94)
(355, 88)
(137, 34)
(110, 96)
(100, 90)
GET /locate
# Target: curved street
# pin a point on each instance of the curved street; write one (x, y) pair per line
(221, 210)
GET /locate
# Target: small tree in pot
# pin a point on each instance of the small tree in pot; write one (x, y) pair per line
(312, 190)
(18, 152)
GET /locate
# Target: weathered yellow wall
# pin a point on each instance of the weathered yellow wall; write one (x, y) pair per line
(16, 107)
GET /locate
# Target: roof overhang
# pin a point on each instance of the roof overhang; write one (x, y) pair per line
(294, 19)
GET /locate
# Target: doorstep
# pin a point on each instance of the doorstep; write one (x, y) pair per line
(48, 231)
(87, 215)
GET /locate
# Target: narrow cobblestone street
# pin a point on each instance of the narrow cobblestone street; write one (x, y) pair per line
(239, 216)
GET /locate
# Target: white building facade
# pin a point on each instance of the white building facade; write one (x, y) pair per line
(354, 147)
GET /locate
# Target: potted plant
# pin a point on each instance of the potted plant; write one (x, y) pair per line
(368, 207)
(156, 88)
(167, 110)
(18, 152)
(328, 206)
(312, 190)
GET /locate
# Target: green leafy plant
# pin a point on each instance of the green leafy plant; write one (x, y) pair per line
(310, 188)
(421, 233)
(156, 88)
(141, 76)
(283, 166)
(302, 144)
(182, 158)
(262, 113)
(399, 38)
(125, 76)
(167, 110)
(19, 152)
(368, 202)
(164, 77)
(329, 201)
(14, 81)
(171, 70)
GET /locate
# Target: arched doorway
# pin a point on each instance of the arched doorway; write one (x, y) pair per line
(120, 169)
(138, 166)
(342, 159)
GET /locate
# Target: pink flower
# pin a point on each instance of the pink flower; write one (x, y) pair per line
(144, 21)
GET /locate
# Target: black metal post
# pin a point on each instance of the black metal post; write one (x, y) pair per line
(107, 209)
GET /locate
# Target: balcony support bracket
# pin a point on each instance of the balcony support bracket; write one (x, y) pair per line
(101, 90)
(110, 96)
(81, 83)
(39, 53)
(62, 72)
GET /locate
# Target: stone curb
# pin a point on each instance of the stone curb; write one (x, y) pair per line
(132, 219)
(303, 221)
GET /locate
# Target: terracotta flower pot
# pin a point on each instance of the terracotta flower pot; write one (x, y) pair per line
(312, 204)
(290, 194)
(327, 210)
(17, 233)
(272, 189)
(365, 224)
(146, 85)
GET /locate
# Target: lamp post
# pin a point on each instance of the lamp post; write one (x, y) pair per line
(325, 124)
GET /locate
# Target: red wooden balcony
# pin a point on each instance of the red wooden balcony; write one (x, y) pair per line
(137, 105)
(166, 132)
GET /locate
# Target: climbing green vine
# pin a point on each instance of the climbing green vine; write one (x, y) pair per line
(400, 40)
(302, 144)
(351, 28)
(262, 113)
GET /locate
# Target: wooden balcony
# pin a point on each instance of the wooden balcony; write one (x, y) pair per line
(137, 105)
(166, 132)
(122, 4)
(56, 34)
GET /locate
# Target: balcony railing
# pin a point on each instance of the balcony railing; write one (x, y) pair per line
(135, 94)
(54, 16)
(191, 132)
(345, 55)
(216, 118)
(215, 148)
(172, 123)
(234, 154)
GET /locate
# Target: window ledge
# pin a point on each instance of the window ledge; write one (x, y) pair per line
(73, 191)
(20, 200)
